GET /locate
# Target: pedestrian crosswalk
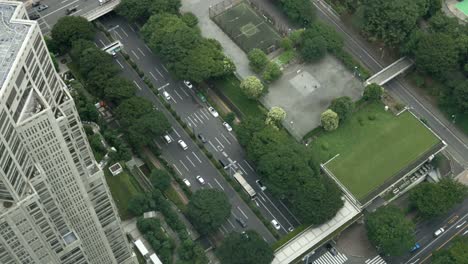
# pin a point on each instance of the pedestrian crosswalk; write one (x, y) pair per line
(198, 118)
(376, 260)
(328, 258)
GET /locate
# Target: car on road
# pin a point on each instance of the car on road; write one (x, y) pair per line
(415, 247)
(331, 249)
(167, 138)
(241, 222)
(439, 231)
(186, 182)
(34, 16)
(188, 84)
(41, 7)
(275, 224)
(260, 184)
(182, 144)
(213, 111)
(200, 180)
(227, 126)
(71, 11)
(202, 138)
(167, 95)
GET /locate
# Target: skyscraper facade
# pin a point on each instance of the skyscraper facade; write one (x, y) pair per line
(55, 206)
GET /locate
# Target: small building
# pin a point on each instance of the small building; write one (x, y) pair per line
(141, 247)
(115, 169)
(153, 259)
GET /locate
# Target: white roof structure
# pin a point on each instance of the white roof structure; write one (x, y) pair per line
(141, 247)
(154, 259)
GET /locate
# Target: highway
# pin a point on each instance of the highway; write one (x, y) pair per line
(193, 160)
(221, 143)
(456, 140)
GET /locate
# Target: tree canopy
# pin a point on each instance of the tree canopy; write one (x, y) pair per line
(119, 89)
(257, 60)
(245, 248)
(299, 11)
(71, 28)
(252, 87)
(373, 92)
(435, 199)
(343, 106)
(456, 253)
(160, 179)
(208, 209)
(272, 72)
(389, 231)
(313, 49)
(141, 10)
(329, 120)
(275, 116)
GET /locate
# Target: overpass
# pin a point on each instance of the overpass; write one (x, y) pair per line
(390, 72)
(101, 10)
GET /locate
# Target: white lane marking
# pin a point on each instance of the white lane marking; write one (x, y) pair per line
(213, 146)
(177, 169)
(96, 45)
(146, 46)
(233, 137)
(277, 209)
(224, 228)
(460, 225)
(64, 1)
(195, 114)
(134, 54)
(172, 98)
(153, 76)
(225, 138)
(243, 169)
(131, 28)
(164, 68)
(221, 230)
(124, 32)
(219, 142)
(102, 42)
(229, 221)
(183, 90)
(196, 157)
(118, 35)
(175, 131)
(136, 84)
(191, 162)
(249, 165)
(142, 53)
(290, 213)
(178, 94)
(191, 121)
(183, 165)
(266, 208)
(121, 66)
(203, 114)
(58, 9)
(159, 72)
(242, 212)
(211, 186)
(205, 111)
(219, 184)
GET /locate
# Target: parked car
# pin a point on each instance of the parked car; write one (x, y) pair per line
(202, 138)
(241, 222)
(36, 3)
(167, 138)
(167, 96)
(439, 231)
(34, 16)
(260, 184)
(182, 144)
(227, 126)
(415, 247)
(188, 84)
(275, 224)
(41, 7)
(71, 10)
(200, 180)
(186, 182)
(331, 249)
(213, 111)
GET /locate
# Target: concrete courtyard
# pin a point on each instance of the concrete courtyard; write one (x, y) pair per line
(306, 90)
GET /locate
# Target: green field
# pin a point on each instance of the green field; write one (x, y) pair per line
(372, 151)
(122, 187)
(463, 6)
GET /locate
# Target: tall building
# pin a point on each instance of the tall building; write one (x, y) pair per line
(55, 206)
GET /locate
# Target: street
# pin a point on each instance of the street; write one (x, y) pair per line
(192, 162)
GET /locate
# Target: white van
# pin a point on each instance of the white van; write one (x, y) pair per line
(182, 144)
(167, 138)
(167, 95)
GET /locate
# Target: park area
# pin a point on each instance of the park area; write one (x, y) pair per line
(244, 26)
(374, 146)
(123, 187)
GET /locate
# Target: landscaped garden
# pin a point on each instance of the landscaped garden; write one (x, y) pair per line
(123, 187)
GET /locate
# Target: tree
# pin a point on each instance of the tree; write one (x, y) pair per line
(275, 116)
(208, 209)
(245, 248)
(71, 28)
(139, 204)
(435, 199)
(119, 89)
(133, 108)
(343, 106)
(296, 36)
(329, 120)
(141, 10)
(96, 144)
(272, 72)
(389, 231)
(436, 53)
(77, 48)
(334, 42)
(456, 253)
(191, 253)
(373, 92)
(313, 49)
(190, 19)
(252, 87)
(461, 96)
(160, 179)
(257, 60)
(299, 11)
(286, 43)
(248, 127)
(149, 126)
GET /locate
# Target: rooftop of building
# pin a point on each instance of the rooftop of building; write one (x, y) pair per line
(12, 35)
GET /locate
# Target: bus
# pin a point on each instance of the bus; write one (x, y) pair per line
(113, 48)
(247, 188)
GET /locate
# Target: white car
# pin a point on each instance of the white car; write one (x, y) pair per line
(439, 231)
(186, 182)
(188, 84)
(275, 224)
(200, 180)
(167, 95)
(213, 111)
(182, 144)
(227, 126)
(167, 138)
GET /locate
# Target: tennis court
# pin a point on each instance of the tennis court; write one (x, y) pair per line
(463, 6)
(247, 28)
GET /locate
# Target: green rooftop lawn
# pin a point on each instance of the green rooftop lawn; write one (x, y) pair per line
(122, 187)
(372, 151)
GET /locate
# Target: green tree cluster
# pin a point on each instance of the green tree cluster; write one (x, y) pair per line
(257, 60)
(160, 179)
(69, 29)
(329, 120)
(373, 92)
(343, 106)
(389, 231)
(245, 248)
(456, 253)
(301, 12)
(435, 199)
(316, 40)
(289, 171)
(156, 236)
(141, 10)
(252, 87)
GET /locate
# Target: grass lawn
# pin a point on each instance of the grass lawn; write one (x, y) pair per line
(122, 187)
(230, 87)
(372, 151)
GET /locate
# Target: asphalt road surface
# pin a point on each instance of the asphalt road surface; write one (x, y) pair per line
(221, 143)
(456, 140)
(191, 162)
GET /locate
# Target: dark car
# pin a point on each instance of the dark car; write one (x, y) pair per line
(34, 4)
(34, 16)
(241, 222)
(202, 138)
(42, 7)
(331, 249)
(71, 10)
